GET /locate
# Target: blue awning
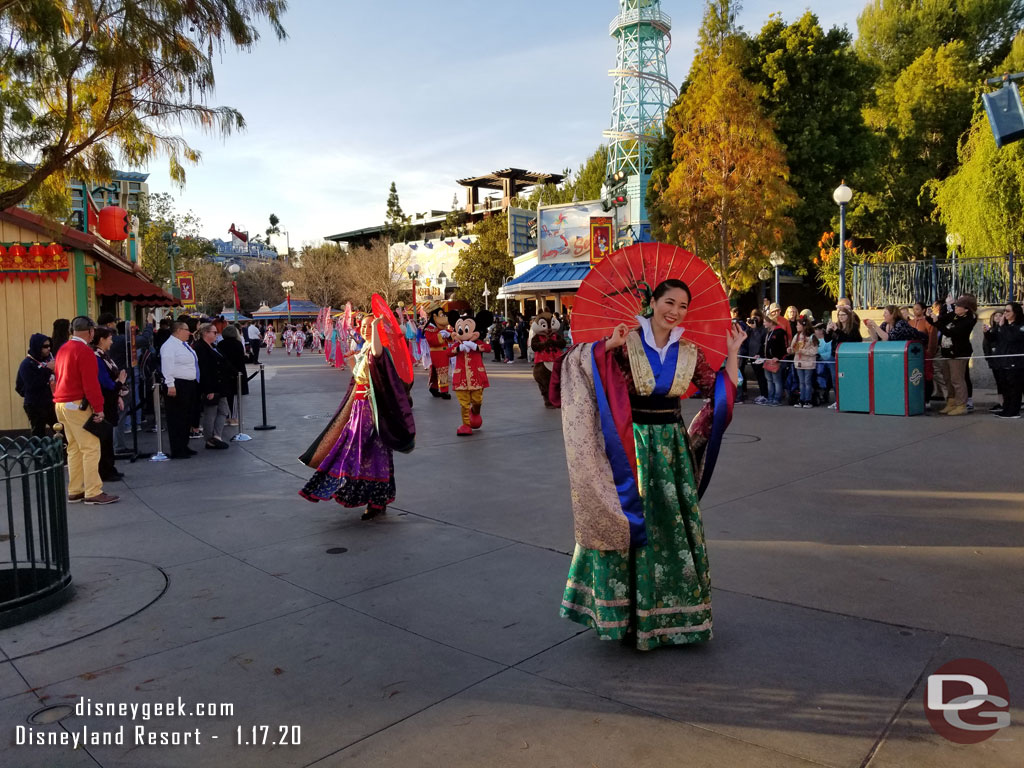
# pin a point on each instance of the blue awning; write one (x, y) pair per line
(548, 277)
(300, 308)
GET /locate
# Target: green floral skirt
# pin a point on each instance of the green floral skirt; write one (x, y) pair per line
(669, 578)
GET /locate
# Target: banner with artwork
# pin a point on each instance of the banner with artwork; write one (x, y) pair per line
(563, 231)
(600, 238)
(187, 290)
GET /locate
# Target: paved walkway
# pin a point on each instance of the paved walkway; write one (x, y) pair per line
(851, 556)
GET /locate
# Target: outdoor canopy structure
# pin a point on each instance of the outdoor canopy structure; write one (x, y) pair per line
(301, 309)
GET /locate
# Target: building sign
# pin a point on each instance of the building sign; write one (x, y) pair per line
(187, 290)
(600, 238)
(564, 231)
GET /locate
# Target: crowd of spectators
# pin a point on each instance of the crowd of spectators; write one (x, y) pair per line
(93, 385)
(792, 356)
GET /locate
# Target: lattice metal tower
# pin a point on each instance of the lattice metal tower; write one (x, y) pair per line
(642, 97)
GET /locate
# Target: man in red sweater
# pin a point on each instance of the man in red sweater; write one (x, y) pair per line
(78, 398)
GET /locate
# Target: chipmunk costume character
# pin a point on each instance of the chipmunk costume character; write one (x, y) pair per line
(547, 345)
(470, 377)
(437, 336)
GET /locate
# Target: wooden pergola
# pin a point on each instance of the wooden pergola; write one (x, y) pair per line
(509, 182)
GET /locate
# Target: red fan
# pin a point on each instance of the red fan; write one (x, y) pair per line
(393, 337)
(612, 293)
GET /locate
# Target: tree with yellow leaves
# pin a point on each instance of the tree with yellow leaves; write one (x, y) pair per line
(728, 195)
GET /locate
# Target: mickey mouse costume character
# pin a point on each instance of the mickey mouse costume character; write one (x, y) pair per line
(547, 345)
(437, 336)
(470, 377)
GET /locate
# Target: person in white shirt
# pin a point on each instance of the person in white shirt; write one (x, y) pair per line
(253, 335)
(180, 368)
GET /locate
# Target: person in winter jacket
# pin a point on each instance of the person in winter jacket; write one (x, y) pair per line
(33, 383)
(1010, 346)
(804, 349)
(989, 344)
(774, 351)
(754, 345)
(955, 322)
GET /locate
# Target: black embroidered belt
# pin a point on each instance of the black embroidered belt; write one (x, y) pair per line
(655, 409)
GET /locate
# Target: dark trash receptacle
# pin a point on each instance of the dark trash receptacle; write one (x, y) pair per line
(35, 567)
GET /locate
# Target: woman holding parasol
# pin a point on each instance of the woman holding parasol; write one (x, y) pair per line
(640, 569)
(353, 456)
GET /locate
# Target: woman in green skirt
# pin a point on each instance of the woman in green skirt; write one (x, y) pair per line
(640, 568)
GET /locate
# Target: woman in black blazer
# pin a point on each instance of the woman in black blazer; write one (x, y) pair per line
(212, 372)
(230, 346)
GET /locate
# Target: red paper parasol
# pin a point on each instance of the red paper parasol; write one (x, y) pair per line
(393, 337)
(611, 294)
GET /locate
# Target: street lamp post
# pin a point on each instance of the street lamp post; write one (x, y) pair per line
(487, 296)
(233, 271)
(173, 249)
(953, 241)
(413, 271)
(763, 276)
(288, 285)
(777, 259)
(842, 196)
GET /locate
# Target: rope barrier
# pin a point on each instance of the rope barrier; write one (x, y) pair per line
(762, 358)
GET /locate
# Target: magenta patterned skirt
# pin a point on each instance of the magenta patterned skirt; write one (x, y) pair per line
(359, 470)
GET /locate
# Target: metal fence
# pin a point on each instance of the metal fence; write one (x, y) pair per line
(35, 567)
(992, 281)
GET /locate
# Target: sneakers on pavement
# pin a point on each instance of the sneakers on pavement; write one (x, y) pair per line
(103, 498)
(1005, 416)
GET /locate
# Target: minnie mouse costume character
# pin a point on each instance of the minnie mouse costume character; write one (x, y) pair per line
(470, 378)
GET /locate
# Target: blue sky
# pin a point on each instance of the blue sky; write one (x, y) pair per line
(363, 94)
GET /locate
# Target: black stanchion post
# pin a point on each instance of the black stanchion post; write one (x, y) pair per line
(263, 399)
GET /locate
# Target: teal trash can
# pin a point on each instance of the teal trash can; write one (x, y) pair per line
(897, 378)
(853, 377)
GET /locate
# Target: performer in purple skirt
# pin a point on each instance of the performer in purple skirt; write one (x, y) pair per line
(353, 456)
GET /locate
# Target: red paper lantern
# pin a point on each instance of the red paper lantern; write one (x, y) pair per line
(56, 250)
(115, 223)
(3, 251)
(17, 252)
(37, 253)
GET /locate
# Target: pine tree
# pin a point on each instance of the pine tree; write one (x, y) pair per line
(396, 223)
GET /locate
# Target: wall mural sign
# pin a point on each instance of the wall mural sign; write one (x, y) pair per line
(564, 231)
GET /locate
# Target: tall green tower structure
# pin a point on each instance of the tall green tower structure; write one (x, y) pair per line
(643, 94)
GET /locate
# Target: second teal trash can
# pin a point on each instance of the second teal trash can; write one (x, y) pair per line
(897, 378)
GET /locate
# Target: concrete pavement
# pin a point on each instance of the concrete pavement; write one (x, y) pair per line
(851, 556)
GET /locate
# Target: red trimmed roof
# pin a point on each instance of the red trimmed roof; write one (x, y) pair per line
(127, 281)
(66, 236)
